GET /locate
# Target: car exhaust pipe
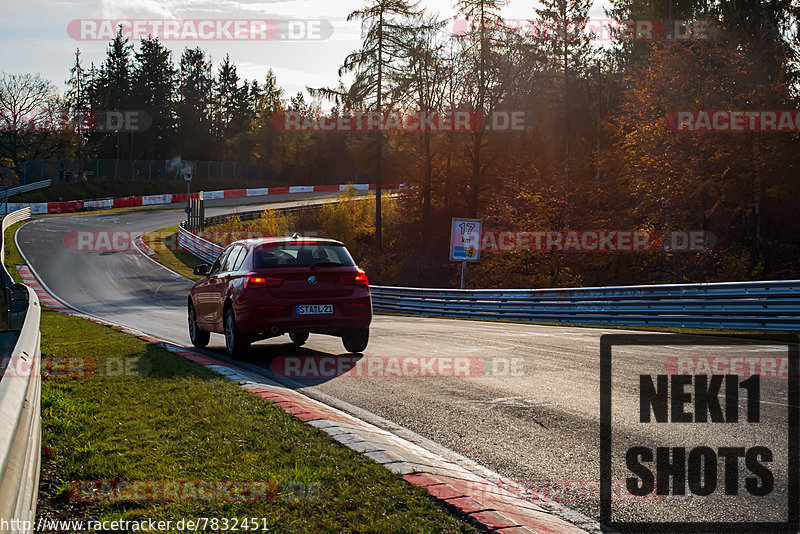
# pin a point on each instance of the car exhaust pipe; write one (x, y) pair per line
(275, 330)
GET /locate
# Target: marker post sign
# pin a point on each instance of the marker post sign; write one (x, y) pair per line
(187, 175)
(465, 242)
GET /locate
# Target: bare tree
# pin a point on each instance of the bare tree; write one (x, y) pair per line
(386, 29)
(484, 16)
(32, 118)
(422, 83)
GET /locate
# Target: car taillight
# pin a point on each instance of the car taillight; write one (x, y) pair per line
(360, 278)
(253, 282)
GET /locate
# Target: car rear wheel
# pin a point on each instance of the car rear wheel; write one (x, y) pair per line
(298, 338)
(355, 339)
(236, 344)
(198, 337)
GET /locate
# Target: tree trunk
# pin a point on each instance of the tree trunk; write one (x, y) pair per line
(378, 178)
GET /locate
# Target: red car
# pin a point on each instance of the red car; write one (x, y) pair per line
(262, 288)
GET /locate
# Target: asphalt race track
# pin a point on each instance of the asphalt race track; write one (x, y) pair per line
(526, 403)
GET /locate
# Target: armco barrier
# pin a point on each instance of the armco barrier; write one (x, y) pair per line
(773, 305)
(205, 250)
(209, 251)
(738, 305)
(20, 409)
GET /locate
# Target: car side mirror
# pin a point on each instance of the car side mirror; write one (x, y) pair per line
(201, 270)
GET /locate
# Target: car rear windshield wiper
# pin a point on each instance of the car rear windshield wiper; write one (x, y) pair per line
(326, 264)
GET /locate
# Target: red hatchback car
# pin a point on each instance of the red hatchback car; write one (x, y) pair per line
(262, 288)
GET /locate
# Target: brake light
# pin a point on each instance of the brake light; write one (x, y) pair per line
(360, 278)
(253, 282)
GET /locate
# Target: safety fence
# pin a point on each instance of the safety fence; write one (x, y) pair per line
(97, 170)
(20, 400)
(771, 305)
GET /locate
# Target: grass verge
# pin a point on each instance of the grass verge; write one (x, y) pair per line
(164, 243)
(128, 410)
(140, 413)
(12, 256)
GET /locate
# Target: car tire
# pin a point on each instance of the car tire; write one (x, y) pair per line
(198, 337)
(355, 339)
(298, 338)
(236, 345)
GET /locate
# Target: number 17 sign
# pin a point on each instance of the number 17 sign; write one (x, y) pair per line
(465, 239)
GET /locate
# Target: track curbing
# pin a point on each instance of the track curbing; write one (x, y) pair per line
(492, 502)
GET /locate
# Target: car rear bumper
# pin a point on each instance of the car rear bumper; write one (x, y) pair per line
(255, 317)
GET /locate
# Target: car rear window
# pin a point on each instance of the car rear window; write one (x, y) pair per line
(300, 255)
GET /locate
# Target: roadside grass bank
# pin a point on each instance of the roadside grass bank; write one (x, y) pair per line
(12, 256)
(116, 408)
(164, 243)
(132, 411)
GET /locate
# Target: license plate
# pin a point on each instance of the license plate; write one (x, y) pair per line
(314, 309)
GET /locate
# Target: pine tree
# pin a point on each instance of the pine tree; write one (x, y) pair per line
(568, 47)
(231, 114)
(194, 106)
(154, 94)
(114, 88)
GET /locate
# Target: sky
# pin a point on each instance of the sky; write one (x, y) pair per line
(35, 35)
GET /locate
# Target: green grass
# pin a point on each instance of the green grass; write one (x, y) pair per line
(133, 411)
(170, 419)
(12, 255)
(164, 243)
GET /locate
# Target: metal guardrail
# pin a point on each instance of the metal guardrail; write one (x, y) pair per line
(20, 403)
(10, 192)
(205, 250)
(208, 251)
(772, 305)
(255, 214)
